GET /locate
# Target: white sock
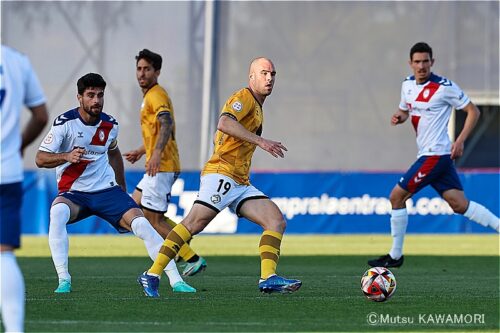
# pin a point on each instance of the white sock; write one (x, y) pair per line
(399, 221)
(58, 239)
(153, 242)
(12, 296)
(480, 214)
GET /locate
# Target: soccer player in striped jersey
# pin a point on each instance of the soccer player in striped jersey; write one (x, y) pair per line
(225, 183)
(162, 156)
(82, 146)
(427, 100)
(19, 87)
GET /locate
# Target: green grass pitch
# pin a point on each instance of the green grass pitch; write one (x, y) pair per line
(454, 278)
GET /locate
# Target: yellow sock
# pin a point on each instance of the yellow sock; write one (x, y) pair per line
(170, 222)
(172, 244)
(269, 249)
(186, 252)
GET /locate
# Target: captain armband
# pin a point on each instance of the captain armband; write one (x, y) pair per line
(113, 145)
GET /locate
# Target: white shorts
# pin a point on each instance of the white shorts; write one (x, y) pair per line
(156, 190)
(218, 192)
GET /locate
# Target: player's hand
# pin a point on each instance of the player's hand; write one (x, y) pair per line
(396, 119)
(273, 147)
(153, 165)
(457, 149)
(133, 156)
(75, 155)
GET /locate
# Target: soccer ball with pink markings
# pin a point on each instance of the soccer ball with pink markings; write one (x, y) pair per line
(378, 284)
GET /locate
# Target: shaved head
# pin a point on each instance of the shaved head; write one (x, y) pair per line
(261, 76)
(256, 62)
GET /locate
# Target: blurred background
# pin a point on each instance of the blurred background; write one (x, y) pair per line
(340, 66)
(339, 71)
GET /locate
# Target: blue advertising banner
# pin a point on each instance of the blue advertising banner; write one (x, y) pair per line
(312, 203)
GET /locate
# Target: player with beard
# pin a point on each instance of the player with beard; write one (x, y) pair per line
(82, 146)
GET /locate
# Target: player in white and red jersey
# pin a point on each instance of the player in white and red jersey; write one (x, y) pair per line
(19, 87)
(82, 145)
(428, 100)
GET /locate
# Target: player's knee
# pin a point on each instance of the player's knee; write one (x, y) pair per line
(195, 226)
(397, 201)
(59, 212)
(458, 207)
(276, 223)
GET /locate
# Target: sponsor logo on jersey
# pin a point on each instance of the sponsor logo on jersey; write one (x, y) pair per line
(80, 134)
(237, 106)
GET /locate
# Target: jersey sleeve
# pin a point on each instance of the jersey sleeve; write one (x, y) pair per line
(402, 103)
(455, 96)
(34, 94)
(159, 103)
(237, 106)
(114, 137)
(53, 140)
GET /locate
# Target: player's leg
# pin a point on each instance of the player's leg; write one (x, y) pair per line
(62, 211)
(153, 195)
(125, 215)
(422, 173)
(11, 279)
(450, 188)
(262, 211)
(197, 219)
(399, 222)
(470, 209)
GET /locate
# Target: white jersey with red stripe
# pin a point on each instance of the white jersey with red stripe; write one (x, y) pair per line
(93, 172)
(430, 105)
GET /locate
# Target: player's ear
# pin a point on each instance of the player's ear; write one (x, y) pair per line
(432, 62)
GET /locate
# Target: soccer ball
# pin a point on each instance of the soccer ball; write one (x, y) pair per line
(378, 284)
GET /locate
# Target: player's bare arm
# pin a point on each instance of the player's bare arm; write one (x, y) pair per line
(35, 125)
(473, 113)
(232, 127)
(166, 125)
(45, 159)
(135, 155)
(116, 162)
(399, 117)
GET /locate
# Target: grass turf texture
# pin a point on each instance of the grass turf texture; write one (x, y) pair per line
(107, 298)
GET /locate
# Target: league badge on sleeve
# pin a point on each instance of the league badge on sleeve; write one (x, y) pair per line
(237, 106)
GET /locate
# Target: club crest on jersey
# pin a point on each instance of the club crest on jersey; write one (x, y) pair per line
(426, 93)
(102, 135)
(215, 198)
(237, 106)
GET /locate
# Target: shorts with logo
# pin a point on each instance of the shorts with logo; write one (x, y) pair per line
(219, 191)
(11, 199)
(437, 171)
(109, 204)
(156, 191)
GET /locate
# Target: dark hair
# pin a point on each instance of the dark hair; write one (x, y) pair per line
(153, 58)
(420, 47)
(90, 80)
